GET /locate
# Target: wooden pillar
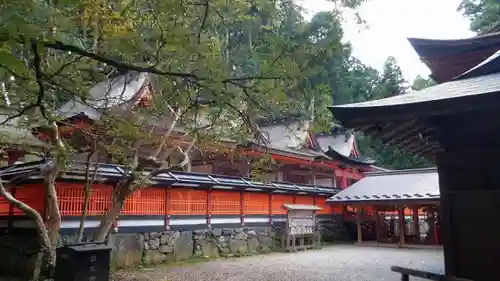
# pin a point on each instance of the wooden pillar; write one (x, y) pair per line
(242, 207)
(401, 215)
(343, 182)
(469, 188)
(377, 223)
(313, 176)
(416, 223)
(209, 207)
(343, 210)
(358, 224)
(167, 213)
(270, 208)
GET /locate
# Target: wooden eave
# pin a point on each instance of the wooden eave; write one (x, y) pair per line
(449, 58)
(410, 121)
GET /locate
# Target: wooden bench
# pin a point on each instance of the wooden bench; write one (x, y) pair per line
(407, 272)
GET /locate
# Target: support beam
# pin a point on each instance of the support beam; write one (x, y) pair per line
(343, 182)
(401, 216)
(167, 208)
(270, 208)
(209, 207)
(313, 176)
(242, 207)
(416, 223)
(377, 223)
(358, 224)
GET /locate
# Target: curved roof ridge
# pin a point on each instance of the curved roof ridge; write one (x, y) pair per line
(470, 40)
(488, 66)
(402, 172)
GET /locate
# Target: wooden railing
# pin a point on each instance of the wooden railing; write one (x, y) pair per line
(407, 272)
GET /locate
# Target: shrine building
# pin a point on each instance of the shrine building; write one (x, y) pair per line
(453, 124)
(216, 191)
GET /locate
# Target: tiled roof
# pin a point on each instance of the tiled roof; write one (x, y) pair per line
(289, 138)
(14, 132)
(109, 173)
(302, 207)
(415, 184)
(425, 47)
(342, 143)
(105, 95)
(454, 89)
(488, 66)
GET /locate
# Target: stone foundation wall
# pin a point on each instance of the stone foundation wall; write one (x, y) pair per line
(18, 254)
(160, 247)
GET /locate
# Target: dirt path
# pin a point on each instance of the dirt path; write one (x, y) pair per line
(333, 263)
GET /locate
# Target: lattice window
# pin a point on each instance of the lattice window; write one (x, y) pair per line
(225, 203)
(256, 203)
(278, 201)
(148, 201)
(187, 202)
(70, 198)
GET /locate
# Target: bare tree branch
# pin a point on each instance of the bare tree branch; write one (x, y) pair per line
(120, 65)
(36, 217)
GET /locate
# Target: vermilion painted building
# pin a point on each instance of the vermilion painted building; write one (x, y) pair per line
(217, 191)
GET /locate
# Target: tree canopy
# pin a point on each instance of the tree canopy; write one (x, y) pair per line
(421, 83)
(214, 67)
(483, 14)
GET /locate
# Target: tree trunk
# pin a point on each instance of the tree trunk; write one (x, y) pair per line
(107, 220)
(46, 246)
(86, 196)
(53, 220)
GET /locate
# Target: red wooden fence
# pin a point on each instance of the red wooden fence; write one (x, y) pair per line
(161, 201)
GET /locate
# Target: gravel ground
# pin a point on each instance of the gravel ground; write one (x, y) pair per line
(332, 263)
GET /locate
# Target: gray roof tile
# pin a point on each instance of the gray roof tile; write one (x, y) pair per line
(104, 95)
(15, 132)
(417, 184)
(454, 89)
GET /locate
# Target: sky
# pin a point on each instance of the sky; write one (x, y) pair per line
(390, 22)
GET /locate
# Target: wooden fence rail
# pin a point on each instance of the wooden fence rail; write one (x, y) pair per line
(407, 272)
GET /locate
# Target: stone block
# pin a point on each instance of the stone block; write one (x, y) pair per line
(166, 249)
(265, 242)
(154, 257)
(227, 231)
(209, 250)
(126, 250)
(154, 243)
(241, 236)
(216, 232)
(237, 246)
(183, 248)
(173, 238)
(251, 233)
(253, 245)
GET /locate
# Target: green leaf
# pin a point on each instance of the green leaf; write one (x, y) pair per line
(8, 60)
